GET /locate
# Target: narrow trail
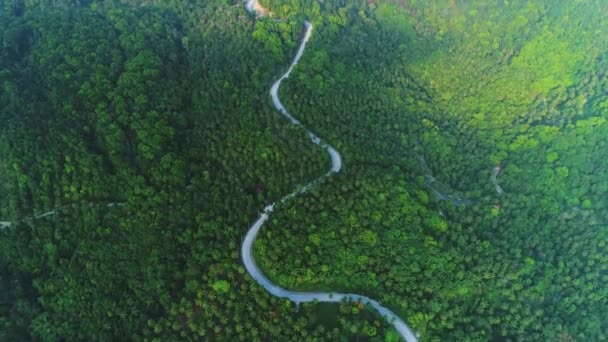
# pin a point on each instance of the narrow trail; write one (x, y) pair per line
(495, 172)
(247, 247)
(438, 189)
(8, 224)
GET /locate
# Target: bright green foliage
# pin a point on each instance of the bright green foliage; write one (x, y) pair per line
(221, 286)
(140, 106)
(517, 85)
(163, 106)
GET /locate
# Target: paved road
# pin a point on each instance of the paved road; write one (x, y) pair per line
(247, 247)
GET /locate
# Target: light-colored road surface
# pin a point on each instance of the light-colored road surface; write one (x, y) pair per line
(247, 247)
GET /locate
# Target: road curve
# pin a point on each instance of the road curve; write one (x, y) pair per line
(247, 247)
(495, 172)
(436, 187)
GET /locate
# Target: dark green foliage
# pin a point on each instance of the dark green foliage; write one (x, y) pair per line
(414, 88)
(161, 108)
(156, 151)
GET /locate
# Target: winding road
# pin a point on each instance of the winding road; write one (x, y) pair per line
(247, 247)
(435, 186)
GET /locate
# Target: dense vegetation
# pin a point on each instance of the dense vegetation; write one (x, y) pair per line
(412, 92)
(147, 126)
(158, 151)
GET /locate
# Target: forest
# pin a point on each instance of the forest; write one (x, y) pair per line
(471, 201)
